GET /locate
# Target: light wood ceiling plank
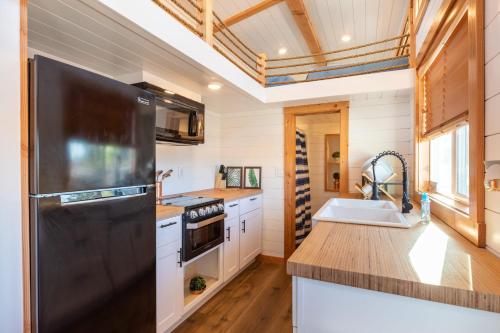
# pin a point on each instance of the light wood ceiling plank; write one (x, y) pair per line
(301, 17)
(250, 11)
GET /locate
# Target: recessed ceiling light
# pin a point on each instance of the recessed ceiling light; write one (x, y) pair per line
(214, 86)
(282, 50)
(346, 38)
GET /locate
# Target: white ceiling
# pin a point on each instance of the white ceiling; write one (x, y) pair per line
(365, 20)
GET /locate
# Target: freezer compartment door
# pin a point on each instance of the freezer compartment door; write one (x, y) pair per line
(93, 264)
(87, 131)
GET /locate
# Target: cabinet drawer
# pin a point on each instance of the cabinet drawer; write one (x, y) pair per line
(168, 231)
(250, 203)
(232, 209)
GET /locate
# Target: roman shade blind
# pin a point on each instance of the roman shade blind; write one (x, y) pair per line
(446, 100)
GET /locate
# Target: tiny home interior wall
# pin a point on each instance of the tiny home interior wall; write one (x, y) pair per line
(378, 122)
(492, 121)
(256, 138)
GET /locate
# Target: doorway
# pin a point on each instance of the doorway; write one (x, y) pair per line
(341, 109)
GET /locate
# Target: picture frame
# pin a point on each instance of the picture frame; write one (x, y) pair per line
(234, 178)
(252, 177)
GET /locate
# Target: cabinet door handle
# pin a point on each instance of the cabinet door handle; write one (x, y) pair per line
(233, 205)
(167, 225)
(180, 257)
(244, 226)
(253, 199)
(228, 234)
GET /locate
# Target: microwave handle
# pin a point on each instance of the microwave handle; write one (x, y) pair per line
(193, 123)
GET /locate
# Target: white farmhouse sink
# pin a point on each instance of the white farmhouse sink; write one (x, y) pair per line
(379, 213)
(356, 203)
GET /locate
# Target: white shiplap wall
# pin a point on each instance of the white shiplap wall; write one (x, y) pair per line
(256, 139)
(379, 122)
(492, 130)
(315, 128)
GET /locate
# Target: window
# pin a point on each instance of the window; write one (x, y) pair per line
(449, 164)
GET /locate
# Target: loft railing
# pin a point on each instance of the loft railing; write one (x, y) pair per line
(362, 59)
(199, 17)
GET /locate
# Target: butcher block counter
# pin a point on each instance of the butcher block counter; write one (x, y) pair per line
(165, 212)
(429, 262)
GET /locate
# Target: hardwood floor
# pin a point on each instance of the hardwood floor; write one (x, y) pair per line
(257, 300)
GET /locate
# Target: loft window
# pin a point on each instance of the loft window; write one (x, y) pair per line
(449, 164)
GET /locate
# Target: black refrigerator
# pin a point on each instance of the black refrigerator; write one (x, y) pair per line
(92, 202)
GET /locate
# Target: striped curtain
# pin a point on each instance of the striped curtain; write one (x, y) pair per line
(302, 189)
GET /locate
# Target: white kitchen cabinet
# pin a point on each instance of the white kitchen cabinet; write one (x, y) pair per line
(169, 274)
(231, 247)
(250, 236)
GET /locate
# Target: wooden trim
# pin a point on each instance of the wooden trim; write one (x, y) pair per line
(25, 222)
(471, 226)
(476, 118)
(444, 15)
(290, 114)
(271, 259)
(207, 19)
(344, 150)
(420, 15)
(304, 23)
(250, 11)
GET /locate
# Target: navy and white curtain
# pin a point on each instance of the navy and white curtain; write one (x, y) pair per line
(302, 189)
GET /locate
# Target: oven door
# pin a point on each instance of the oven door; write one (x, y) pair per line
(201, 236)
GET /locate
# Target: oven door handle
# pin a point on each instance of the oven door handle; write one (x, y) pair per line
(204, 223)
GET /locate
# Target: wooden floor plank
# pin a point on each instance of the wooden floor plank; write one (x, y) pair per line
(257, 300)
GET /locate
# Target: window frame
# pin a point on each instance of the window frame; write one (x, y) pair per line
(454, 195)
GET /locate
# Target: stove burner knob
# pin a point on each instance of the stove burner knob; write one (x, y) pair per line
(221, 207)
(202, 212)
(215, 208)
(193, 214)
(209, 210)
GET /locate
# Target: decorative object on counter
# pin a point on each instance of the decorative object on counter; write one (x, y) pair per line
(384, 172)
(336, 180)
(492, 179)
(234, 177)
(336, 156)
(220, 177)
(160, 175)
(197, 285)
(425, 209)
(252, 177)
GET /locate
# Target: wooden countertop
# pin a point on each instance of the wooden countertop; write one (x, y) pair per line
(430, 262)
(165, 212)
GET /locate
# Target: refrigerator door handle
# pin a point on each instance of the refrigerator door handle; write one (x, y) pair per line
(79, 198)
(83, 202)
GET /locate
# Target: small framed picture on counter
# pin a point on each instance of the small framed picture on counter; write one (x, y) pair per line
(252, 177)
(234, 177)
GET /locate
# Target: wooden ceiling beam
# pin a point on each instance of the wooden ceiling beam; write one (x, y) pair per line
(250, 11)
(303, 21)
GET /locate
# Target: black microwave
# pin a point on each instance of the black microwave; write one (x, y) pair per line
(179, 120)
